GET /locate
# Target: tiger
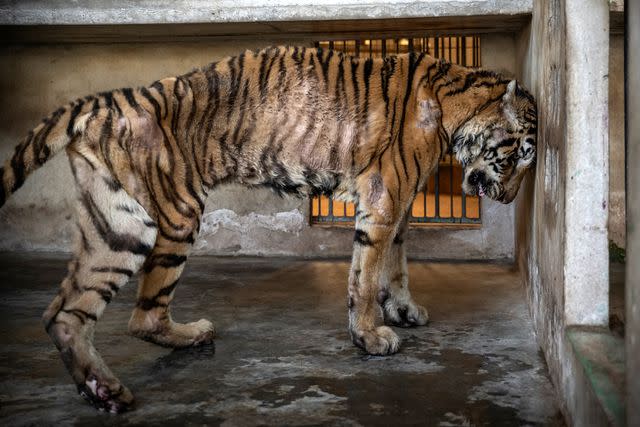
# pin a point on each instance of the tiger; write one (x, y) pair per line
(301, 121)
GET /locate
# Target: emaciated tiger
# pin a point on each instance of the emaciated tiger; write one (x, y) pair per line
(299, 120)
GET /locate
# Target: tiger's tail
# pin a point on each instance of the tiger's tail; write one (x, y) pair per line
(53, 134)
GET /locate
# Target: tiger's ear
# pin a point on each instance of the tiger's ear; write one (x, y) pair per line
(510, 94)
(509, 101)
(527, 152)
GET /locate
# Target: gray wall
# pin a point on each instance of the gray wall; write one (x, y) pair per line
(633, 267)
(616, 141)
(237, 221)
(539, 207)
(561, 214)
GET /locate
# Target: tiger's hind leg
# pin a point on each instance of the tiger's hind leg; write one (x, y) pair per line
(151, 319)
(399, 308)
(115, 236)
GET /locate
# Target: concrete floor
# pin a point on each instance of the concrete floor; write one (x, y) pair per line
(282, 355)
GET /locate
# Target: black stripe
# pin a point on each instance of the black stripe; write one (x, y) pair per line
(418, 172)
(236, 79)
(175, 116)
(124, 208)
(117, 270)
(325, 64)
(147, 304)
(128, 94)
(80, 314)
(156, 107)
(240, 120)
(85, 242)
(385, 74)
(39, 144)
(397, 240)
(104, 293)
(187, 165)
(167, 290)
(471, 79)
(413, 65)
(72, 118)
(159, 87)
(113, 286)
(53, 318)
(112, 183)
(165, 261)
(18, 165)
(117, 242)
(150, 223)
(361, 237)
(368, 69)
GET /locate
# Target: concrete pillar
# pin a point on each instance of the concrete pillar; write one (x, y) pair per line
(586, 260)
(633, 212)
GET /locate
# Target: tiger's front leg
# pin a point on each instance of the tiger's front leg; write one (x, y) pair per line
(382, 203)
(368, 288)
(399, 308)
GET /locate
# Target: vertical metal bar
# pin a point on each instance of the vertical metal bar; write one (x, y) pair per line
(463, 58)
(437, 191)
(464, 198)
(426, 191)
(466, 52)
(451, 184)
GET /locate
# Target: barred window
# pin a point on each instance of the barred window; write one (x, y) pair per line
(442, 202)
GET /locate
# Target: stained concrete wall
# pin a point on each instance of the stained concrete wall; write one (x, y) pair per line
(540, 204)
(616, 142)
(633, 226)
(237, 221)
(561, 214)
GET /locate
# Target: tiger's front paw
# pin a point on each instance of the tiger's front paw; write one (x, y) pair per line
(379, 341)
(404, 313)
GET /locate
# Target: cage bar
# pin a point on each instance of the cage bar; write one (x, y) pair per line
(447, 203)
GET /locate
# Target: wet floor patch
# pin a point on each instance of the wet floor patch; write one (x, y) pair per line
(283, 355)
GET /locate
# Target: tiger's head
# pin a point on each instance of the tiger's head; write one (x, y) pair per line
(498, 145)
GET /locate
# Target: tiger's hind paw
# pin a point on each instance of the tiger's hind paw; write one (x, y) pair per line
(175, 335)
(107, 396)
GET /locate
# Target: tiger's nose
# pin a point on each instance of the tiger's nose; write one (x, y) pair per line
(477, 177)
